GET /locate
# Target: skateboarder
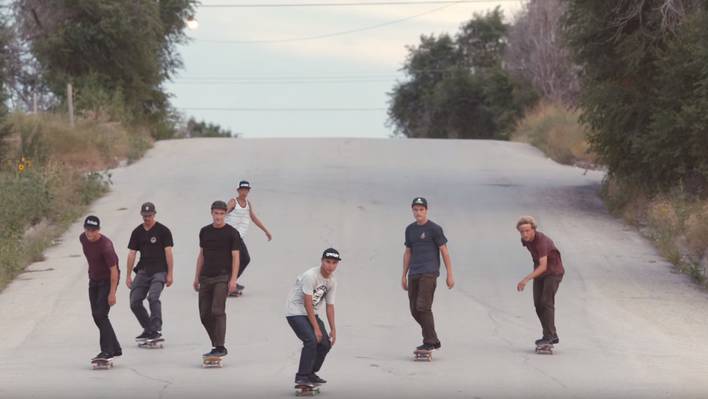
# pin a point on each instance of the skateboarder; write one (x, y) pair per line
(303, 305)
(425, 241)
(103, 282)
(547, 275)
(154, 270)
(240, 214)
(216, 275)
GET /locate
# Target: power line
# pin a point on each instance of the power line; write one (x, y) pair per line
(333, 34)
(246, 109)
(280, 82)
(351, 4)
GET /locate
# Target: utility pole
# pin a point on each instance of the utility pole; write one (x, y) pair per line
(70, 102)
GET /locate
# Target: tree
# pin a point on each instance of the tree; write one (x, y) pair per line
(204, 129)
(457, 88)
(5, 40)
(537, 53)
(111, 50)
(643, 87)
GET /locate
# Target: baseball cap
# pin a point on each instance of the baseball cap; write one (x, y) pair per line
(92, 222)
(419, 201)
(244, 184)
(331, 253)
(147, 208)
(219, 205)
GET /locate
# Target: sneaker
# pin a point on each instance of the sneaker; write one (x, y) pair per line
(143, 336)
(304, 381)
(426, 347)
(544, 340)
(210, 353)
(240, 287)
(437, 346)
(555, 340)
(118, 353)
(220, 351)
(153, 336)
(102, 356)
(316, 379)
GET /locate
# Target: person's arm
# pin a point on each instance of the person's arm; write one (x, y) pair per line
(170, 266)
(537, 272)
(235, 264)
(448, 265)
(258, 222)
(129, 265)
(406, 265)
(230, 205)
(114, 285)
(200, 266)
(332, 325)
(310, 308)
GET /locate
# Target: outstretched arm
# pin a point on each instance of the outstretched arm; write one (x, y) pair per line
(259, 223)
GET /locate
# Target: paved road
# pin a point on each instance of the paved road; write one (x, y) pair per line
(629, 327)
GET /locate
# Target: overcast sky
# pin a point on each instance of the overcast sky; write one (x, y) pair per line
(272, 75)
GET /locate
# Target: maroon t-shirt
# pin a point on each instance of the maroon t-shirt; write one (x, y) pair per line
(543, 246)
(100, 256)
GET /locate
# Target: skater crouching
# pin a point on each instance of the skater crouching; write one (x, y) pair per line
(311, 287)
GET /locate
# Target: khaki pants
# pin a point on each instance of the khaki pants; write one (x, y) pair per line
(212, 307)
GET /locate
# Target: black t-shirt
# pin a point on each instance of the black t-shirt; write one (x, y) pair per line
(424, 242)
(151, 244)
(217, 245)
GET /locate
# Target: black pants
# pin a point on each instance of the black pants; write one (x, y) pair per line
(313, 353)
(544, 298)
(98, 297)
(421, 291)
(244, 258)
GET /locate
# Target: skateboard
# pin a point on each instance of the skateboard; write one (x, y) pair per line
(101, 364)
(152, 343)
(544, 349)
(306, 390)
(423, 355)
(209, 362)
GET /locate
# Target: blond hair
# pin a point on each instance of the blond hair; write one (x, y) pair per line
(526, 220)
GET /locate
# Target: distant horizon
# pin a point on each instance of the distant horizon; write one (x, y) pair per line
(350, 71)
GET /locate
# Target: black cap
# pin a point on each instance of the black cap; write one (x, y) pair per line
(420, 201)
(331, 253)
(92, 223)
(147, 208)
(244, 184)
(219, 205)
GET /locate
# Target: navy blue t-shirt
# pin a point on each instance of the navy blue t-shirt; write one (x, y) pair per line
(424, 241)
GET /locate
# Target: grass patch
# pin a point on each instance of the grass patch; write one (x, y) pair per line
(557, 132)
(677, 224)
(49, 174)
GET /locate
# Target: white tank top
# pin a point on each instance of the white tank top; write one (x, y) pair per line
(240, 218)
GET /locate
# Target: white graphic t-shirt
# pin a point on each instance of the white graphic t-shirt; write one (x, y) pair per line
(312, 283)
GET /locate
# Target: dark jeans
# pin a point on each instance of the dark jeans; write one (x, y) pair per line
(150, 286)
(98, 297)
(544, 294)
(244, 258)
(212, 307)
(313, 353)
(421, 290)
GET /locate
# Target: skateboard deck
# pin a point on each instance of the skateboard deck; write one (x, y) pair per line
(423, 355)
(101, 364)
(306, 390)
(211, 361)
(152, 343)
(544, 349)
